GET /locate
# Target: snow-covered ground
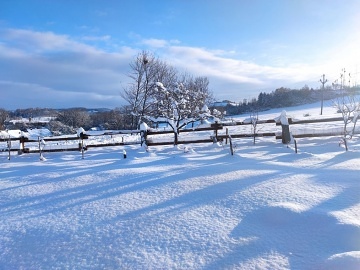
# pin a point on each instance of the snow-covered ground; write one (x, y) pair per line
(193, 207)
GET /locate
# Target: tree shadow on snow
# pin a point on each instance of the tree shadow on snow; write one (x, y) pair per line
(307, 239)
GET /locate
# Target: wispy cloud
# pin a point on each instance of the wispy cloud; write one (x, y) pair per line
(96, 38)
(34, 41)
(155, 43)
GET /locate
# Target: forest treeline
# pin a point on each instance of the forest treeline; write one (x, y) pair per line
(283, 97)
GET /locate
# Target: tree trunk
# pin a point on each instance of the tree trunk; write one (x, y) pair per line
(176, 134)
(345, 143)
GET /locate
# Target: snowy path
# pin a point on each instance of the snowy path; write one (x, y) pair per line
(263, 208)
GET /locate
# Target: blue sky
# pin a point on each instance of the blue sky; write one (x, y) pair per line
(67, 53)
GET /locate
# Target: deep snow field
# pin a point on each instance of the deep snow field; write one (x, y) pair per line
(193, 207)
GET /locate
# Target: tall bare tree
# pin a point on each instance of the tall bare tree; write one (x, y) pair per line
(144, 70)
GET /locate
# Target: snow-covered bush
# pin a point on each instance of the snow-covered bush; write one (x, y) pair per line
(57, 128)
(178, 105)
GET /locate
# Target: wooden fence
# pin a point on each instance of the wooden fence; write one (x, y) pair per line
(218, 132)
(68, 143)
(223, 131)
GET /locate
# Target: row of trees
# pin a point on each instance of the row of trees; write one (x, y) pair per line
(66, 121)
(116, 119)
(281, 97)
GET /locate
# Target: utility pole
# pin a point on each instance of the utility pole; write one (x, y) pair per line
(323, 81)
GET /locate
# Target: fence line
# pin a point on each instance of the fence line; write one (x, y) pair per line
(148, 136)
(76, 142)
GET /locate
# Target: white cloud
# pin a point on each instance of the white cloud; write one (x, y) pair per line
(155, 43)
(174, 41)
(96, 38)
(213, 64)
(37, 42)
(24, 95)
(158, 43)
(59, 71)
(58, 63)
(66, 71)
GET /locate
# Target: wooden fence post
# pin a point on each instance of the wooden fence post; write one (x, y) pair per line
(9, 147)
(82, 137)
(231, 146)
(285, 134)
(22, 143)
(143, 137)
(82, 147)
(216, 131)
(39, 146)
(216, 126)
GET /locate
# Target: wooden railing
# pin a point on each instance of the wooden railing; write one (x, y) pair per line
(218, 132)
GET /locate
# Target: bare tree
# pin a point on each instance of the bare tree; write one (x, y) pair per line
(3, 116)
(144, 70)
(254, 118)
(349, 107)
(199, 93)
(116, 119)
(75, 118)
